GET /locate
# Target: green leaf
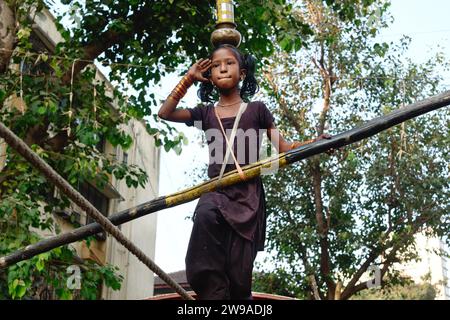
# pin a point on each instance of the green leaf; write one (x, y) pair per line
(20, 291)
(66, 295)
(177, 148)
(42, 110)
(286, 44)
(40, 265)
(23, 33)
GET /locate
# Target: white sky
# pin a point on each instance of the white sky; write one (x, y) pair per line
(425, 21)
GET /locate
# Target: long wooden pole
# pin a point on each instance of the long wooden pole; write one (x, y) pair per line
(368, 129)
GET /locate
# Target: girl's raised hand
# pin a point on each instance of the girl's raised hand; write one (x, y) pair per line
(198, 68)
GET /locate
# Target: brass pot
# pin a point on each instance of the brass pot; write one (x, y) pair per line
(226, 33)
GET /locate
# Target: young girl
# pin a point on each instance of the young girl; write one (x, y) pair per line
(229, 224)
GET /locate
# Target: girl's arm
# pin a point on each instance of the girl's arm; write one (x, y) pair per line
(168, 109)
(169, 112)
(282, 145)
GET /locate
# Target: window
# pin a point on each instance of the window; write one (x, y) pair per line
(117, 154)
(98, 200)
(125, 158)
(100, 146)
(447, 292)
(31, 66)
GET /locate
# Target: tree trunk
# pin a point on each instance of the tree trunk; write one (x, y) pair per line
(322, 230)
(7, 31)
(322, 226)
(7, 35)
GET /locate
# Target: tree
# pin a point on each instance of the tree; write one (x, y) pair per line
(406, 290)
(51, 100)
(402, 288)
(333, 217)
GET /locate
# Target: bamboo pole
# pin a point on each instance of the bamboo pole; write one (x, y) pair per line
(366, 130)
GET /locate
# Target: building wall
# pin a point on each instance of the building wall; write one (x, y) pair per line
(138, 279)
(138, 282)
(446, 270)
(430, 263)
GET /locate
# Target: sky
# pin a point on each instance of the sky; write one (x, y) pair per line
(425, 21)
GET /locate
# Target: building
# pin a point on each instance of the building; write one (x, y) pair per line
(160, 287)
(433, 265)
(115, 196)
(138, 279)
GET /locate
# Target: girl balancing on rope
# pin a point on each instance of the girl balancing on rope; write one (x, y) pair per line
(229, 224)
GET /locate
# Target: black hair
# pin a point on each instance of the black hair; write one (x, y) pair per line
(249, 85)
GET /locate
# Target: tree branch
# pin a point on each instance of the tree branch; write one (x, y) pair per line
(308, 269)
(283, 104)
(322, 229)
(140, 20)
(418, 223)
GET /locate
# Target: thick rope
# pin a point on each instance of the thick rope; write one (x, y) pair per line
(52, 176)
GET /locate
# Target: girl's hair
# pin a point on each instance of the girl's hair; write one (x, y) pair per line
(249, 85)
